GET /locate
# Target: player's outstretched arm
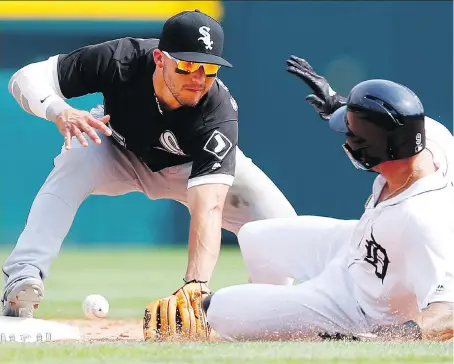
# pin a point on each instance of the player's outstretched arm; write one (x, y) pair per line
(323, 98)
(36, 89)
(205, 203)
(180, 315)
(433, 324)
(41, 88)
(213, 149)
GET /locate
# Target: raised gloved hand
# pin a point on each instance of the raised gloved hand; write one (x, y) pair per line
(323, 98)
(179, 316)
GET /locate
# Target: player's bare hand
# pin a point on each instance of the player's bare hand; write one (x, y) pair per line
(437, 321)
(323, 98)
(74, 123)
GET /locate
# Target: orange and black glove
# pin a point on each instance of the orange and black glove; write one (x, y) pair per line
(179, 316)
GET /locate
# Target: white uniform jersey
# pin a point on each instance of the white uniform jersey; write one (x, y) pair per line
(402, 251)
(397, 260)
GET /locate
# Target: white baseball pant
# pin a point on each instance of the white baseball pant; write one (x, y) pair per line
(309, 249)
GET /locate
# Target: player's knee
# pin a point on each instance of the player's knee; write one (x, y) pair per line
(249, 234)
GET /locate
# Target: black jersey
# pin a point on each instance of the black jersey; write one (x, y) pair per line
(122, 70)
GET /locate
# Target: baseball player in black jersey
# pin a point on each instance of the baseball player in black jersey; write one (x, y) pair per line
(168, 128)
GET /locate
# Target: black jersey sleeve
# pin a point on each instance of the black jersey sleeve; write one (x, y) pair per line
(214, 147)
(214, 155)
(93, 68)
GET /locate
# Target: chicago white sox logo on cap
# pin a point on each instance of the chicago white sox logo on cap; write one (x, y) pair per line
(206, 37)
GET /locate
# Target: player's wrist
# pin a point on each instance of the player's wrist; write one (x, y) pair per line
(202, 284)
(194, 280)
(55, 109)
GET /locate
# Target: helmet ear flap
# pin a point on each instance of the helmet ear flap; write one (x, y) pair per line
(406, 142)
(391, 146)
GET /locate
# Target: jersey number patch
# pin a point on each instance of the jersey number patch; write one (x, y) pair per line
(218, 144)
(376, 255)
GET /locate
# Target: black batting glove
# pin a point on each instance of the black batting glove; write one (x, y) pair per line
(324, 99)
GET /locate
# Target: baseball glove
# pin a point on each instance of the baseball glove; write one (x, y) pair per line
(179, 316)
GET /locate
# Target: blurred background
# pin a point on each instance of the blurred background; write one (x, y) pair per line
(410, 42)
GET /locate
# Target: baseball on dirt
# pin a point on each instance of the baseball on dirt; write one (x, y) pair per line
(95, 307)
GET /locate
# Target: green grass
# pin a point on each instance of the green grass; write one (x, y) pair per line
(131, 279)
(128, 279)
(223, 353)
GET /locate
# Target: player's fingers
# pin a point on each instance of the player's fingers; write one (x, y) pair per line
(301, 62)
(293, 70)
(291, 62)
(67, 135)
(299, 65)
(302, 74)
(100, 124)
(87, 129)
(292, 66)
(105, 119)
(314, 100)
(304, 69)
(308, 77)
(80, 137)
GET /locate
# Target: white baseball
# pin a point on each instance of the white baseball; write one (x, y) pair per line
(95, 307)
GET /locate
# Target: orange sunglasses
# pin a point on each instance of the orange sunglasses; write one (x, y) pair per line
(186, 67)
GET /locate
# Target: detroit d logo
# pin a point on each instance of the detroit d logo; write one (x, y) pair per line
(376, 255)
(206, 37)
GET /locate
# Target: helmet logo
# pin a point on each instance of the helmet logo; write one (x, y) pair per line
(418, 147)
(418, 139)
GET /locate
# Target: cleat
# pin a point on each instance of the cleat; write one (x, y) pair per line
(23, 298)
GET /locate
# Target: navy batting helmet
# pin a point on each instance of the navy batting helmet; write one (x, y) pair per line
(388, 123)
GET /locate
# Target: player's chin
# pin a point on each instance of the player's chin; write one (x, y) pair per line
(191, 100)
